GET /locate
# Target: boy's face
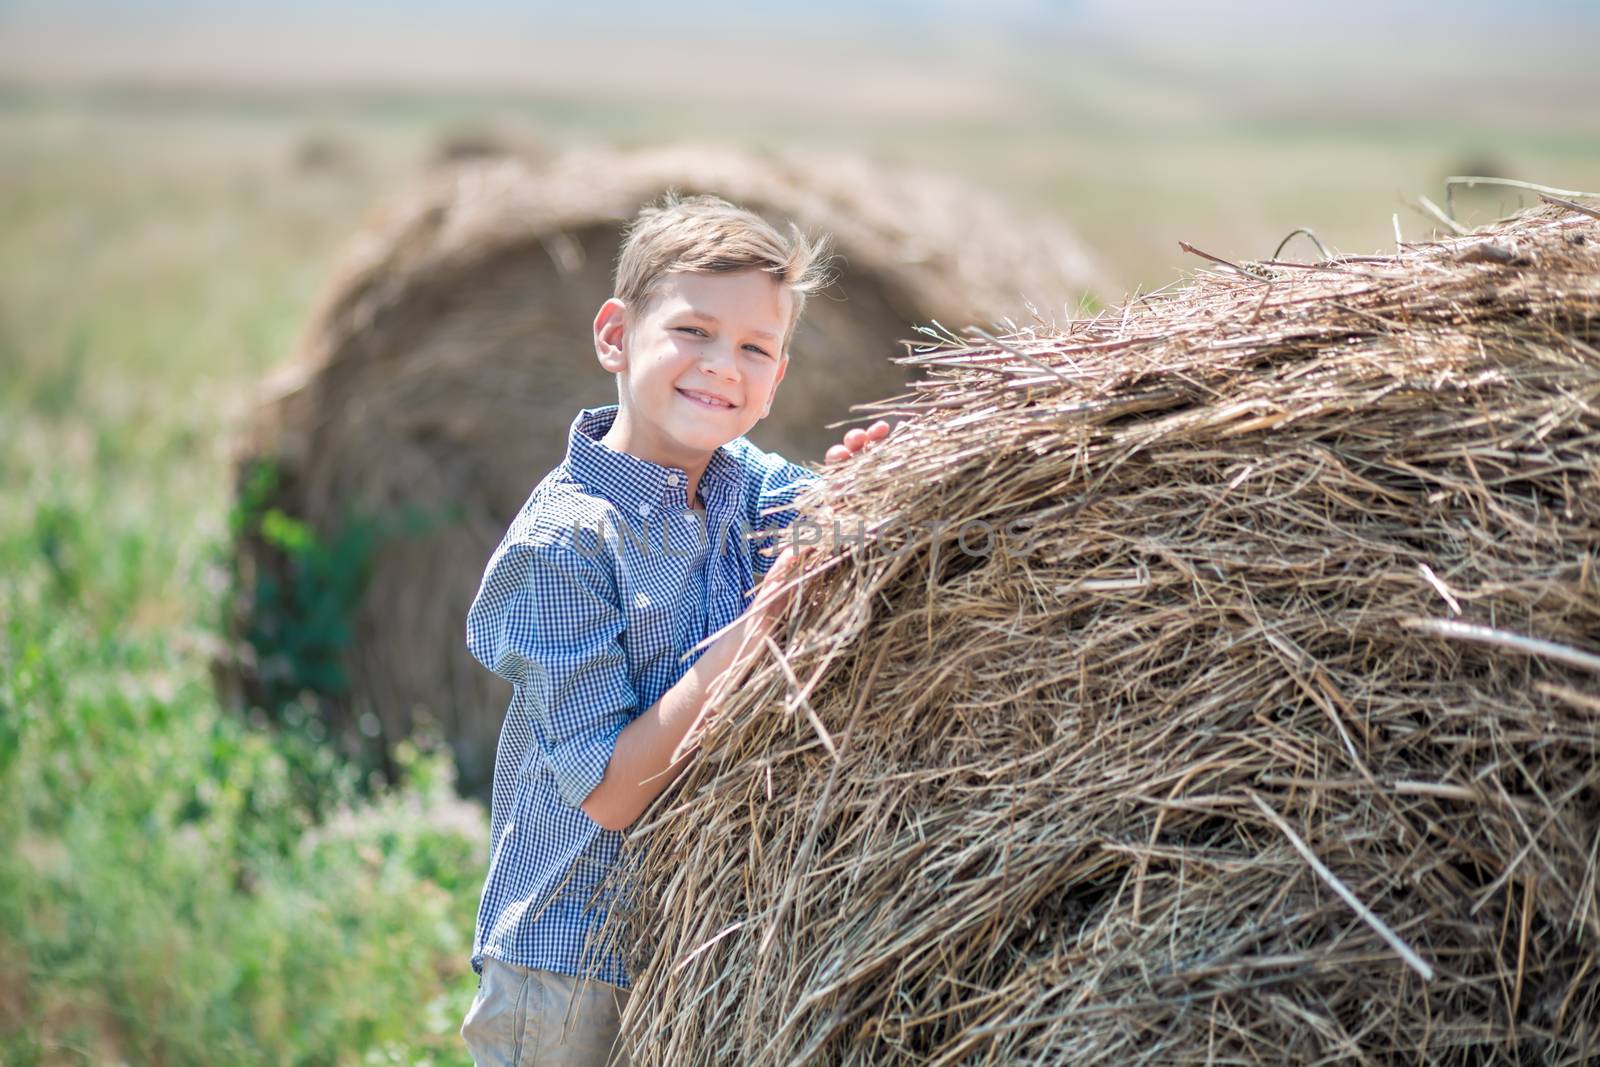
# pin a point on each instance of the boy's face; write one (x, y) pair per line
(712, 334)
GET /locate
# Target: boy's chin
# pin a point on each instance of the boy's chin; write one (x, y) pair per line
(709, 438)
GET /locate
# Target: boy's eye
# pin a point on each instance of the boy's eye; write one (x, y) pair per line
(696, 329)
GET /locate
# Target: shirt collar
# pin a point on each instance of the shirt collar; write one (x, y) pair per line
(635, 484)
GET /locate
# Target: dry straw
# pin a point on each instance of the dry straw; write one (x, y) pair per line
(1273, 740)
(453, 346)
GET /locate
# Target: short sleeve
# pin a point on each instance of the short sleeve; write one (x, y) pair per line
(773, 510)
(545, 618)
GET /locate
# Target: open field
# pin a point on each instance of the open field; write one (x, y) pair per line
(173, 890)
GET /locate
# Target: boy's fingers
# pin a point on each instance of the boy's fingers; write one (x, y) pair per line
(857, 440)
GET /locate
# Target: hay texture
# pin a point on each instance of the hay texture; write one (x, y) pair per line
(454, 345)
(1273, 740)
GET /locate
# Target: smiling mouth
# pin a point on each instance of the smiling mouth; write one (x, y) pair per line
(705, 401)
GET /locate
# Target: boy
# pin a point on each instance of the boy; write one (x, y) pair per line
(623, 559)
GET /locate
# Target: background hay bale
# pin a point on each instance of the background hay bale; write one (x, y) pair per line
(325, 153)
(453, 347)
(477, 140)
(1267, 553)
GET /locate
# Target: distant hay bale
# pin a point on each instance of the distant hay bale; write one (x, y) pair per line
(325, 153)
(458, 144)
(454, 346)
(1294, 580)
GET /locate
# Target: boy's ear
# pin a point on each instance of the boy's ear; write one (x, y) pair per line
(610, 324)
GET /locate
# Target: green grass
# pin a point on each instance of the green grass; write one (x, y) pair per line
(168, 894)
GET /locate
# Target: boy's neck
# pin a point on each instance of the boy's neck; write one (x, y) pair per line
(626, 436)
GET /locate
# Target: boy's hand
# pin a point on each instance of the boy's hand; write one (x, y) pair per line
(766, 607)
(769, 602)
(857, 440)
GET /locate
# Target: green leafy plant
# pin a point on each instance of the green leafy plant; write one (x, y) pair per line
(299, 611)
(298, 601)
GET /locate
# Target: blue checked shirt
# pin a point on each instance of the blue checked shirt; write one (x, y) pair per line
(604, 580)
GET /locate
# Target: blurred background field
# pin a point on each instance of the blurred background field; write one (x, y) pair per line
(180, 884)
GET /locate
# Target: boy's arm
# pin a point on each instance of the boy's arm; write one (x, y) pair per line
(641, 766)
(545, 618)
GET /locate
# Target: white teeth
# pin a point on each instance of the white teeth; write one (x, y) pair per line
(713, 401)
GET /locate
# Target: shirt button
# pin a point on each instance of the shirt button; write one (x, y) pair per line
(641, 599)
(672, 479)
(644, 509)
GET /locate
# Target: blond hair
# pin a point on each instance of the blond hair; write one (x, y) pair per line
(708, 234)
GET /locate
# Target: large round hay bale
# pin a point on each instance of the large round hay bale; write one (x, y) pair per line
(451, 350)
(1265, 728)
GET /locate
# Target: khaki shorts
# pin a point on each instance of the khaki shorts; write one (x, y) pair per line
(526, 1017)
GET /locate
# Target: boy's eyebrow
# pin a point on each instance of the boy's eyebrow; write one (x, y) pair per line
(696, 314)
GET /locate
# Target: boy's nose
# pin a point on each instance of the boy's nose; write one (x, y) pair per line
(719, 361)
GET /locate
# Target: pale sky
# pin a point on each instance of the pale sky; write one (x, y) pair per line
(625, 46)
